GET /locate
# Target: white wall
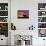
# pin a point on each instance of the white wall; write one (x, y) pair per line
(32, 6)
(23, 24)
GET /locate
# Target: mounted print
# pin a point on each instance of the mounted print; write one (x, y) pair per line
(13, 27)
(4, 29)
(23, 14)
(42, 33)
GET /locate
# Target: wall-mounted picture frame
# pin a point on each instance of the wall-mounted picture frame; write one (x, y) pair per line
(3, 19)
(41, 19)
(4, 29)
(3, 13)
(21, 14)
(3, 6)
(13, 27)
(41, 6)
(41, 25)
(42, 33)
(41, 13)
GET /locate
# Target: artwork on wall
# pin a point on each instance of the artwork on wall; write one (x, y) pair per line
(42, 6)
(3, 6)
(3, 19)
(23, 14)
(13, 27)
(42, 32)
(43, 25)
(42, 19)
(41, 13)
(3, 13)
(4, 29)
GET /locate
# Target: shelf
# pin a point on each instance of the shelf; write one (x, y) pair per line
(3, 22)
(41, 22)
(3, 10)
(41, 10)
(3, 16)
(42, 16)
(41, 28)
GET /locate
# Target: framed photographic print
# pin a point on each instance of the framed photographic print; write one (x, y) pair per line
(3, 13)
(41, 25)
(4, 29)
(13, 27)
(41, 19)
(23, 14)
(3, 19)
(41, 6)
(42, 32)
